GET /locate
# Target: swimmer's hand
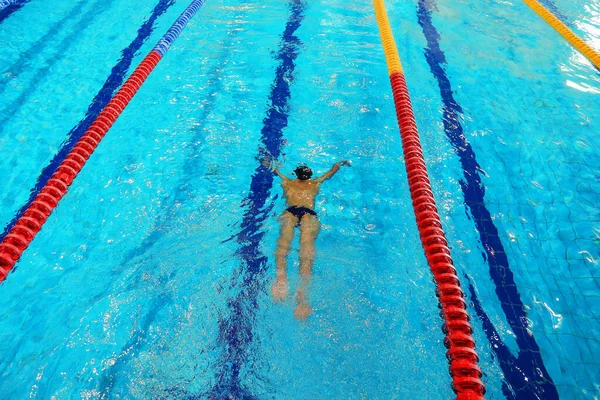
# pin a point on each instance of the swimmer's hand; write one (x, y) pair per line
(267, 163)
(332, 171)
(271, 164)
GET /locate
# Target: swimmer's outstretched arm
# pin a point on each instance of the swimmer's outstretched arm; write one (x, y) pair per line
(282, 176)
(332, 171)
(275, 168)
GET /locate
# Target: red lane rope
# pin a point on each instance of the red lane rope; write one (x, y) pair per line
(25, 229)
(459, 341)
(466, 375)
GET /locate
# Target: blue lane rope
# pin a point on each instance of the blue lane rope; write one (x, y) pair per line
(6, 3)
(175, 30)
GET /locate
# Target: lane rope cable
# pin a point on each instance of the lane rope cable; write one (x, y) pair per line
(567, 33)
(25, 229)
(463, 359)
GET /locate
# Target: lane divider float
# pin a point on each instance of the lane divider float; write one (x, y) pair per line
(6, 3)
(463, 359)
(567, 33)
(25, 229)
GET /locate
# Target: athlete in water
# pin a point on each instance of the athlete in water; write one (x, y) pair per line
(300, 196)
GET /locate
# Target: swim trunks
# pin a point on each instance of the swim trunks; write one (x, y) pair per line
(299, 212)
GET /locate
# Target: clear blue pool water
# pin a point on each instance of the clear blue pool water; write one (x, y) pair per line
(151, 279)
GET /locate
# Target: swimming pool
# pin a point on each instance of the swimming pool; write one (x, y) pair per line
(151, 279)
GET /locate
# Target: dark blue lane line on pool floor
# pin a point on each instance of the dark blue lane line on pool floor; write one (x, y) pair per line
(75, 21)
(526, 376)
(236, 336)
(112, 83)
(8, 11)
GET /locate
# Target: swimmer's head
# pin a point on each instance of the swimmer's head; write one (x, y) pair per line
(303, 172)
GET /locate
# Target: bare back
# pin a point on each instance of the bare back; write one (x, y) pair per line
(301, 193)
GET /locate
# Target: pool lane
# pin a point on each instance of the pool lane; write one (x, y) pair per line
(236, 328)
(114, 80)
(81, 18)
(462, 355)
(163, 224)
(526, 374)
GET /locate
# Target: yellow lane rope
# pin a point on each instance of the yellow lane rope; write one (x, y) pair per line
(387, 38)
(568, 34)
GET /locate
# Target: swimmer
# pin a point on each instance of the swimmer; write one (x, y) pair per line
(300, 197)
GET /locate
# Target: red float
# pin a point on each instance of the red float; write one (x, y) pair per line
(459, 342)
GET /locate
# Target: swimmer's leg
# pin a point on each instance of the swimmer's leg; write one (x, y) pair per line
(280, 287)
(309, 230)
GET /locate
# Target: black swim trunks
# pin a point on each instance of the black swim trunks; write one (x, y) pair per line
(299, 212)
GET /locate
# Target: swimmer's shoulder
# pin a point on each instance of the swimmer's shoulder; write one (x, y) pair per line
(288, 183)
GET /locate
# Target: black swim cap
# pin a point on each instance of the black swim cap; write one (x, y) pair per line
(303, 172)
